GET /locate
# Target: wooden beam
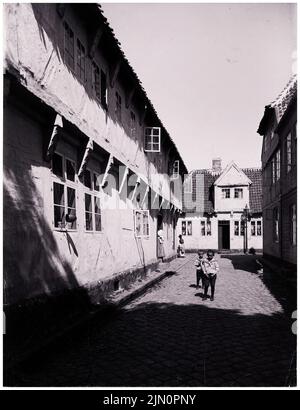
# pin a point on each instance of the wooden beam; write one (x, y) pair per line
(114, 72)
(123, 179)
(95, 41)
(108, 166)
(138, 181)
(88, 150)
(145, 196)
(58, 125)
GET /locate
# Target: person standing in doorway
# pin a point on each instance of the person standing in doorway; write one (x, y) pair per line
(160, 246)
(210, 270)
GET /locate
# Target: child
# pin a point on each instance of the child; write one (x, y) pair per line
(210, 269)
(180, 249)
(199, 271)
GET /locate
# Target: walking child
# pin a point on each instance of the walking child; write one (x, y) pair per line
(210, 269)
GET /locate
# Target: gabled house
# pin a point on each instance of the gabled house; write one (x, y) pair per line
(223, 209)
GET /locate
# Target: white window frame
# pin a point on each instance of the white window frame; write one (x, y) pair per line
(238, 224)
(152, 136)
(239, 191)
(224, 191)
(94, 194)
(66, 183)
(189, 223)
(278, 164)
(142, 212)
(175, 169)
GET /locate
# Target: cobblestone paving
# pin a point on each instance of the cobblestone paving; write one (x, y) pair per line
(170, 337)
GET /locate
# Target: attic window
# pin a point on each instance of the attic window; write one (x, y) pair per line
(238, 193)
(175, 170)
(152, 139)
(226, 193)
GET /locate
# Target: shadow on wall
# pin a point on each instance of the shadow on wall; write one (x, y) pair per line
(33, 267)
(175, 345)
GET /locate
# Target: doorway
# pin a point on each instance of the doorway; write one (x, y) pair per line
(224, 235)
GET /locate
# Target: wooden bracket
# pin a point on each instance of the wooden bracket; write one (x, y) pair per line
(95, 41)
(108, 166)
(58, 125)
(114, 72)
(88, 150)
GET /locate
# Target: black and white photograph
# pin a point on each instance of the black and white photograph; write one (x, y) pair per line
(149, 184)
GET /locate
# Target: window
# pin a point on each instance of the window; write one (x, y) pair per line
(175, 169)
(277, 165)
(190, 228)
(141, 222)
(206, 228)
(183, 228)
(64, 192)
(276, 225)
(258, 228)
(96, 81)
(57, 165)
(92, 213)
(80, 61)
(273, 171)
(238, 193)
(225, 193)
(104, 89)
(293, 226)
(132, 124)
(91, 180)
(68, 46)
(118, 106)
(289, 153)
(152, 139)
(253, 228)
(64, 200)
(70, 170)
(236, 228)
(242, 228)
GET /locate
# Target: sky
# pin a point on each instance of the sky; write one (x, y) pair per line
(209, 70)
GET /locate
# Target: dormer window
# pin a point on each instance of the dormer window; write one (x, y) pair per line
(225, 193)
(175, 169)
(152, 139)
(238, 193)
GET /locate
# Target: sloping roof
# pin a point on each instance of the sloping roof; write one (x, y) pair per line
(133, 73)
(279, 105)
(209, 178)
(285, 97)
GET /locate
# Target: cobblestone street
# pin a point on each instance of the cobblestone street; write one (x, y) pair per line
(170, 337)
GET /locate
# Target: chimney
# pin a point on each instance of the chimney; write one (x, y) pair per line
(216, 166)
